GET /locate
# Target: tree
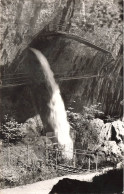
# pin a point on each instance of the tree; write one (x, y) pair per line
(11, 130)
(87, 134)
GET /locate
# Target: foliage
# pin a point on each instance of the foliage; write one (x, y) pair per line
(86, 132)
(11, 130)
(87, 114)
(92, 111)
(25, 165)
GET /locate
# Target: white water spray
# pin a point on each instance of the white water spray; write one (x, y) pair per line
(58, 116)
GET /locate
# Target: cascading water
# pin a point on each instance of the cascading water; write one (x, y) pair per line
(58, 116)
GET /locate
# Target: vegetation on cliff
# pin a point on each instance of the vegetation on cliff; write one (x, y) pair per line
(99, 21)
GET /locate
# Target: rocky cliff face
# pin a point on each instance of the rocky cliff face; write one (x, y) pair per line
(111, 138)
(23, 25)
(104, 82)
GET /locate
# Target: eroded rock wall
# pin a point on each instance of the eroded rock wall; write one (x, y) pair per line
(24, 22)
(20, 21)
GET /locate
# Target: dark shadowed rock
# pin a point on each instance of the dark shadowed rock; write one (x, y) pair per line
(111, 182)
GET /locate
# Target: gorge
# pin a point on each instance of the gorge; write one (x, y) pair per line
(82, 42)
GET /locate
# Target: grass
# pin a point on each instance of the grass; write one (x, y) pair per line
(21, 164)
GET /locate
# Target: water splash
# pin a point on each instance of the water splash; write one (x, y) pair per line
(58, 116)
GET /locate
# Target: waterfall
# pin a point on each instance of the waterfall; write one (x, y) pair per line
(58, 116)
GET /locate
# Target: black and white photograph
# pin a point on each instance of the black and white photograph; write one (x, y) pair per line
(61, 97)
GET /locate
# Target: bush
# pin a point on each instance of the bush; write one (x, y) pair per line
(11, 130)
(87, 133)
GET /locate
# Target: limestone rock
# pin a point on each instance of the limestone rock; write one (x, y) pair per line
(20, 22)
(119, 128)
(31, 126)
(111, 137)
(106, 132)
